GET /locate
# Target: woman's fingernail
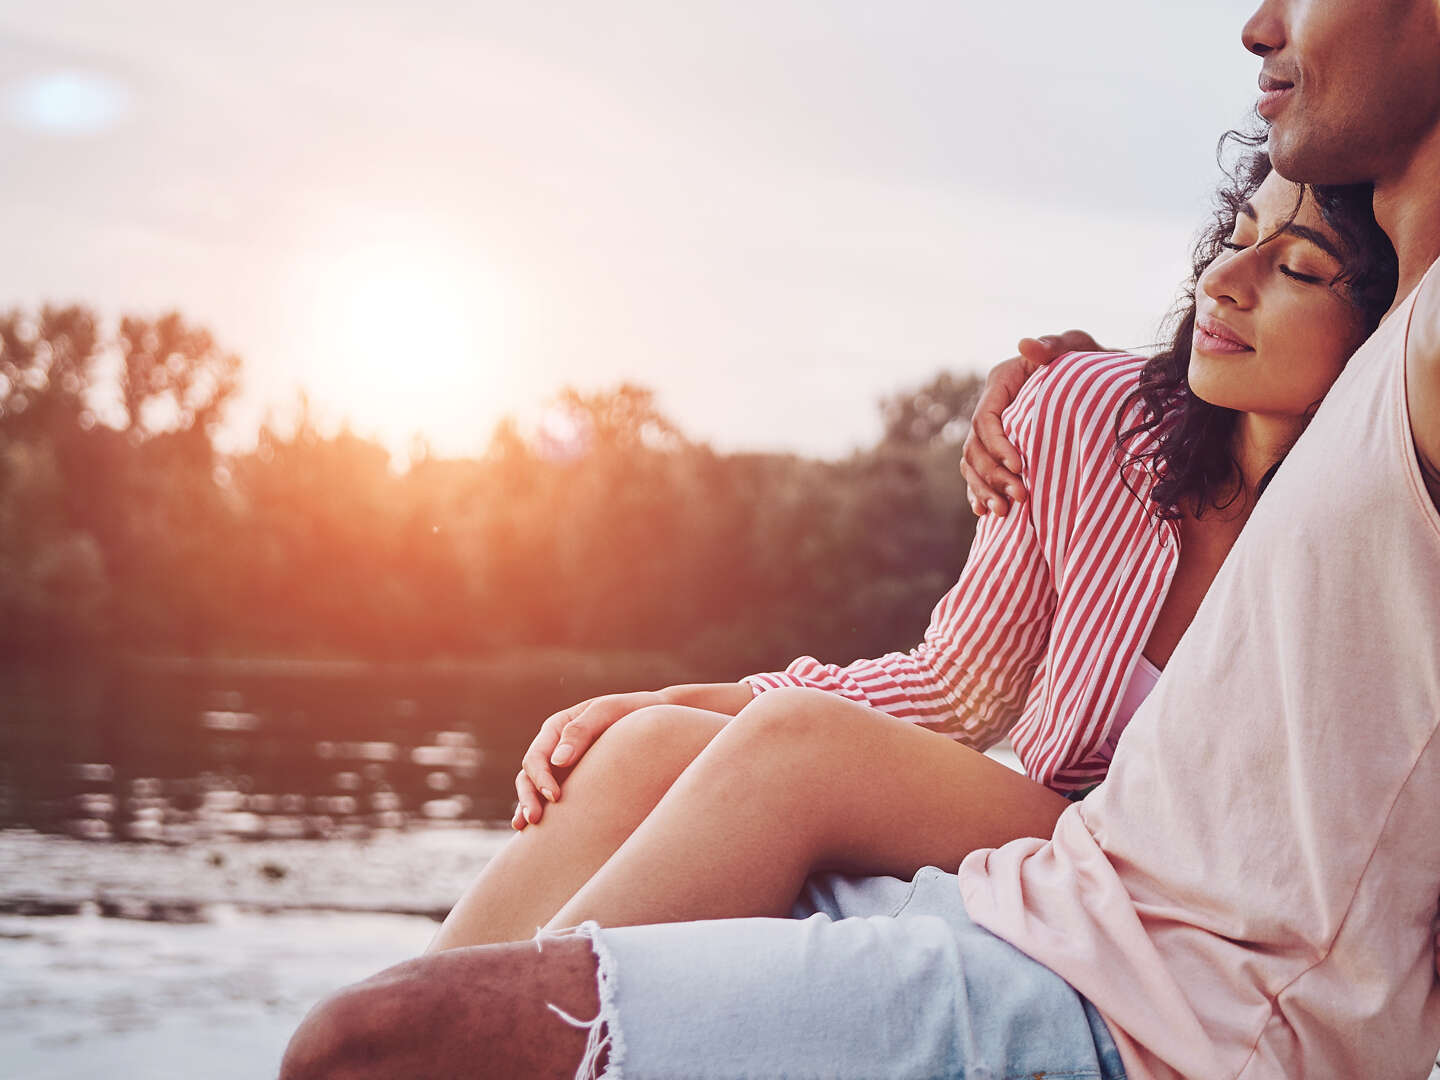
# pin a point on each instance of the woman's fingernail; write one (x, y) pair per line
(561, 755)
(549, 795)
(528, 820)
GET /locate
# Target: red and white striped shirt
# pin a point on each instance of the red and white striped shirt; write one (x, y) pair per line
(1038, 637)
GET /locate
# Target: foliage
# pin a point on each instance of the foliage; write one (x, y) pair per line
(604, 529)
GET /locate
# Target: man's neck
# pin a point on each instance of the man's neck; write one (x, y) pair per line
(1407, 206)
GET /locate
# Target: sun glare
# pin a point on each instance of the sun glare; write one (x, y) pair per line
(405, 340)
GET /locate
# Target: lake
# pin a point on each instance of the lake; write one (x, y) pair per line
(180, 751)
(193, 853)
(154, 961)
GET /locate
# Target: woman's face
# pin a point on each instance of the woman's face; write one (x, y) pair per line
(1271, 334)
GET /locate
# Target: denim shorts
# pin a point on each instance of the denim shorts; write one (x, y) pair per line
(871, 977)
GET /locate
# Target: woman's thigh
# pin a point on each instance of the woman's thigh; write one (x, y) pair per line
(869, 793)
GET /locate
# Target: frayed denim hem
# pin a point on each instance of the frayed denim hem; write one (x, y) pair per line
(603, 1032)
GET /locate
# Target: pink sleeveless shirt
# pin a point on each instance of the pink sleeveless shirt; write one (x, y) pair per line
(1252, 892)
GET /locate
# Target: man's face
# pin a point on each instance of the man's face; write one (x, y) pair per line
(1356, 84)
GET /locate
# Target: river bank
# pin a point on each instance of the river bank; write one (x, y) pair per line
(147, 962)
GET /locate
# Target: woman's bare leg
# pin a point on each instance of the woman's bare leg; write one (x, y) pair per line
(607, 794)
(802, 780)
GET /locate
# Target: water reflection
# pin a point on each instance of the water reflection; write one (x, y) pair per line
(374, 785)
(175, 758)
(176, 751)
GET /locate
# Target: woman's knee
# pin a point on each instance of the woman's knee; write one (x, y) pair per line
(659, 731)
(792, 715)
(646, 749)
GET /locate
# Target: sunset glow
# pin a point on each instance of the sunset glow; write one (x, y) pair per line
(399, 330)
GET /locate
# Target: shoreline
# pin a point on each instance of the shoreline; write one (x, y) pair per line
(414, 872)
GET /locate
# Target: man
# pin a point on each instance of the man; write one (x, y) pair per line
(1252, 892)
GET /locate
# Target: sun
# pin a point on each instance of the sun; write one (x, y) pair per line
(404, 335)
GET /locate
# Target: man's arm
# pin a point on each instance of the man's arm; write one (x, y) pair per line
(1422, 383)
(1422, 391)
(991, 464)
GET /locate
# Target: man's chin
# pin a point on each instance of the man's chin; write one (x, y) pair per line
(1303, 157)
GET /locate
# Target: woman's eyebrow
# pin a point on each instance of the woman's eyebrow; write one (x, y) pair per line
(1303, 232)
(1316, 237)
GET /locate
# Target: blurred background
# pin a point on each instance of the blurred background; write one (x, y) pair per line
(376, 379)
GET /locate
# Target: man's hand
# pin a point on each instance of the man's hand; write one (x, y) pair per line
(567, 734)
(992, 465)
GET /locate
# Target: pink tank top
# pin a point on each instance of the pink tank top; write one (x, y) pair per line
(1252, 892)
(1143, 677)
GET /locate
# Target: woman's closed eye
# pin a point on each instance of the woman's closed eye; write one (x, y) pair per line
(1288, 271)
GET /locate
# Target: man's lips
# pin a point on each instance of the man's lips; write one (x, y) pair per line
(1273, 95)
(1213, 336)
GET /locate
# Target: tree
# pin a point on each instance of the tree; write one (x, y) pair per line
(173, 377)
(110, 477)
(937, 412)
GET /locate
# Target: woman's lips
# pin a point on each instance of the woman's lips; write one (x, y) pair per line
(1212, 336)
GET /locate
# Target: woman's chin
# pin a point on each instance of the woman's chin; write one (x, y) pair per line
(1207, 384)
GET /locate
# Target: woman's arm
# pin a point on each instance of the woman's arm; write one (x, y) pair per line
(971, 674)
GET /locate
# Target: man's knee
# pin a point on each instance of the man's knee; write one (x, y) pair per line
(455, 1013)
(377, 1028)
(337, 1037)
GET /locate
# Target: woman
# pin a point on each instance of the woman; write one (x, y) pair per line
(720, 799)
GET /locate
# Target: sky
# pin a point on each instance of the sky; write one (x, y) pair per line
(427, 216)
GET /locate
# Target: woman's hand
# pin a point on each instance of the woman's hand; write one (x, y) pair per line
(991, 464)
(567, 734)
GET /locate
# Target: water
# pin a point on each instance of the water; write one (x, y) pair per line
(193, 854)
(185, 752)
(85, 996)
(162, 960)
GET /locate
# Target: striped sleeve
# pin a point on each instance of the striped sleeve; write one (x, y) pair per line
(970, 676)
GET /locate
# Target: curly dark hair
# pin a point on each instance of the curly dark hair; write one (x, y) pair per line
(1185, 442)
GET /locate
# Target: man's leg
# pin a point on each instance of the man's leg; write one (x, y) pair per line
(902, 984)
(472, 1012)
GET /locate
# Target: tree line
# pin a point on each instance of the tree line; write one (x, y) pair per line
(123, 529)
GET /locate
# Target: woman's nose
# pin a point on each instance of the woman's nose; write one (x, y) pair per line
(1230, 278)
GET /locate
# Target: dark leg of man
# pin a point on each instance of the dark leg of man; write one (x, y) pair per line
(470, 1012)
